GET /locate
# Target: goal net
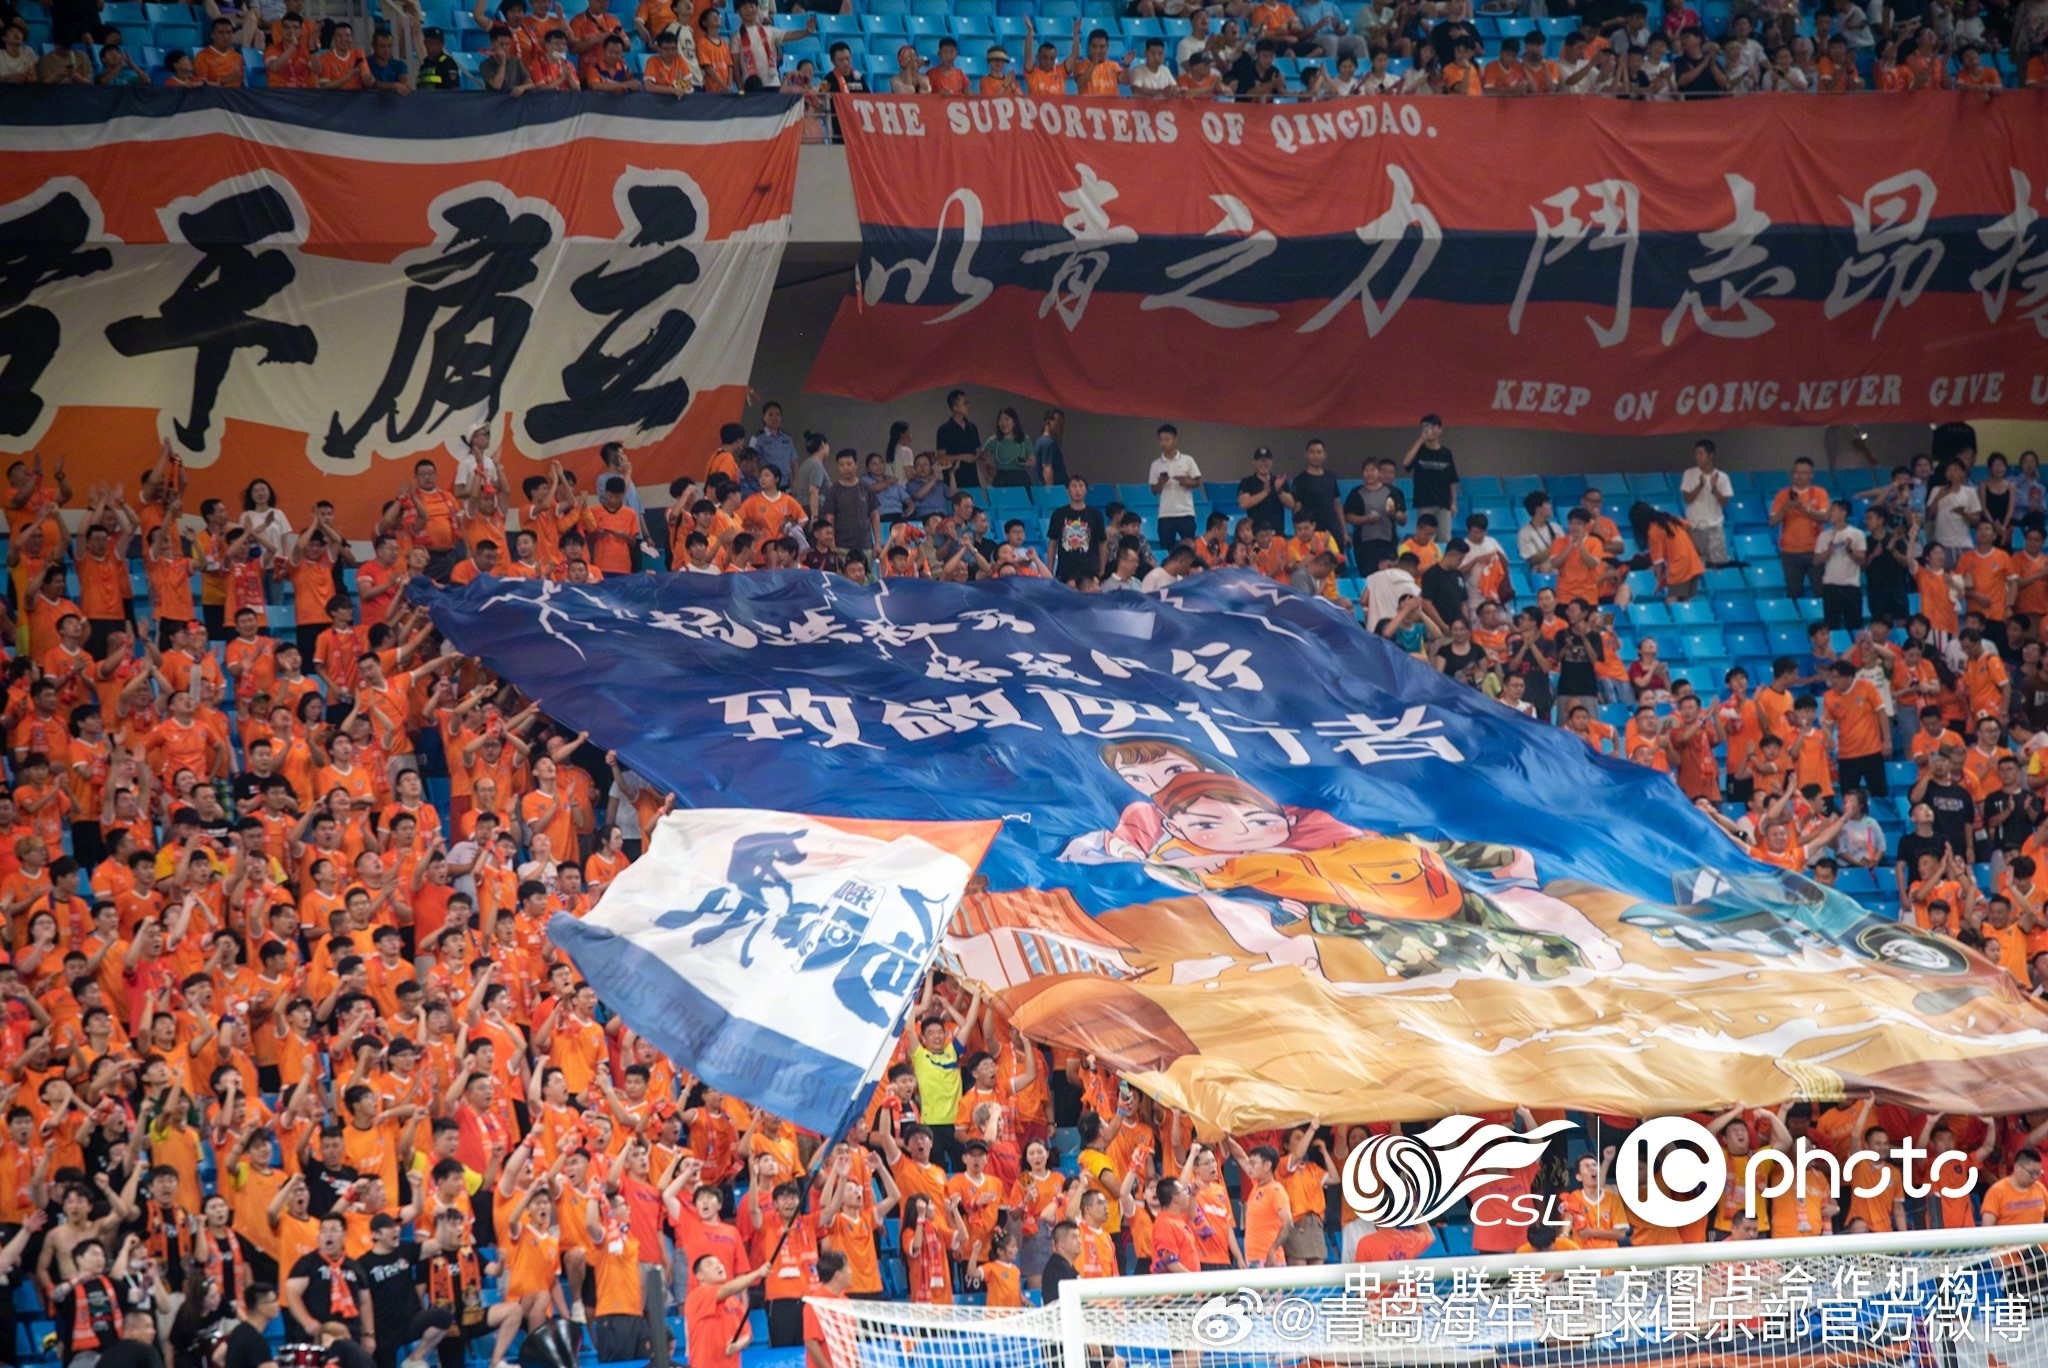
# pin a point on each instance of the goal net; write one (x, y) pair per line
(1915, 1299)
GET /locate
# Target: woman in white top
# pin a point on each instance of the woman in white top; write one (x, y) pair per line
(909, 78)
(18, 61)
(1378, 80)
(262, 518)
(1344, 84)
(1781, 76)
(1860, 842)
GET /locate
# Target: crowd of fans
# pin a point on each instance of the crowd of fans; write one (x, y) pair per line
(288, 1050)
(1267, 51)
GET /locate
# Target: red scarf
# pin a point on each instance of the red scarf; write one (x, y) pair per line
(166, 1226)
(83, 1336)
(341, 1299)
(218, 1262)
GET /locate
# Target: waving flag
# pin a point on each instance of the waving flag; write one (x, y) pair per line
(773, 955)
(1264, 863)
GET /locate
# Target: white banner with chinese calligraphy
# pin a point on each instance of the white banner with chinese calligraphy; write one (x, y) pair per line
(774, 955)
(311, 288)
(1582, 264)
(1268, 865)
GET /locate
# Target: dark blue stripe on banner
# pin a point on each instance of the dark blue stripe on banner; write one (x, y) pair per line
(374, 114)
(733, 1055)
(1471, 267)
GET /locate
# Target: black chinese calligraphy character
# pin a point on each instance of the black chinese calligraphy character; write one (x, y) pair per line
(474, 283)
(209, 312)
(43, 245)
(605, 391)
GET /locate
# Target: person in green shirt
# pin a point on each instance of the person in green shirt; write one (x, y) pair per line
(936, 1058)
(1006, 458)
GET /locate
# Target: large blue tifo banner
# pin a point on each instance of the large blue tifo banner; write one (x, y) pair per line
(1269, 865)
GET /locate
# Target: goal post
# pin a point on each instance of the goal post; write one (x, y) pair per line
(1970, 1298)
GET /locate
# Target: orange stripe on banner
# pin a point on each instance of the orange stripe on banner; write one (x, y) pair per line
(969, 841)
(363, 211)
(119, 444)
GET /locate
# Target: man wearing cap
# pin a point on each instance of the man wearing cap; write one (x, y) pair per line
(438, 70)
(1198, 78)
(1264, 501)
(999, 79)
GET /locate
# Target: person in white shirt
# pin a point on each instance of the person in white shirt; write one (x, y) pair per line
(1196, 41)
(1783, 75)
(1706, 492)
(1743, 56)
(1125, 575)
(1174, 477)
(1482, 552)
(1384, 590)
(1840, 550)
(1180, 562)
(1152, 79)
(757, 47)
(1575, 70)
(1538, 534)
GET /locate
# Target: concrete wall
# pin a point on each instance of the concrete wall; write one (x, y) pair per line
(817, 272)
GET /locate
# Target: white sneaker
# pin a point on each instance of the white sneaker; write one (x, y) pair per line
(577, 1312)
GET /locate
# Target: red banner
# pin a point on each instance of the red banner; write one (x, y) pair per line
(1583, 264)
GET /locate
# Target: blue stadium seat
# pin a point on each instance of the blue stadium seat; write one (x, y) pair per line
(882, 25)
(1779, 612)
(1726, 580)
(1486, 25)
(1650, 615)
(1764, 579)
(1141, 29)
(1010, 29)
(1789, 641)
(921, 25)
(1510, 26)
(1557, 30)
(1693, 613)
(1651, 483)
(1736, 610)
(128, 14)
(881, 66)
(1063, 10)
(978, 29)
(1017, 9)
(888, 7)
(1755, 546)
(1613, 486)
(177, 35)
(1642, 583)
(1703, 643)
(1565, 491)
(935, 8)
(1747, 641)
(1745, 514)
(1519, 487)
(839, 25)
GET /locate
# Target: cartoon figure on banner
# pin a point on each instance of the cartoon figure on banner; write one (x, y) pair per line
(1411, 902)
(833, 936)
(209, 312)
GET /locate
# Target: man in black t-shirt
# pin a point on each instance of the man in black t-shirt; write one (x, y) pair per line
(1076, 535)
(1443, 584)
(246, 1346)
(329, 1176)
(327, 1285)
(959, 441)
(1436, 473)
(1955, 811)
(137, 1346)
(1314, 491)
(393, 1272)
(1066, 1247)
(1262, 498)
